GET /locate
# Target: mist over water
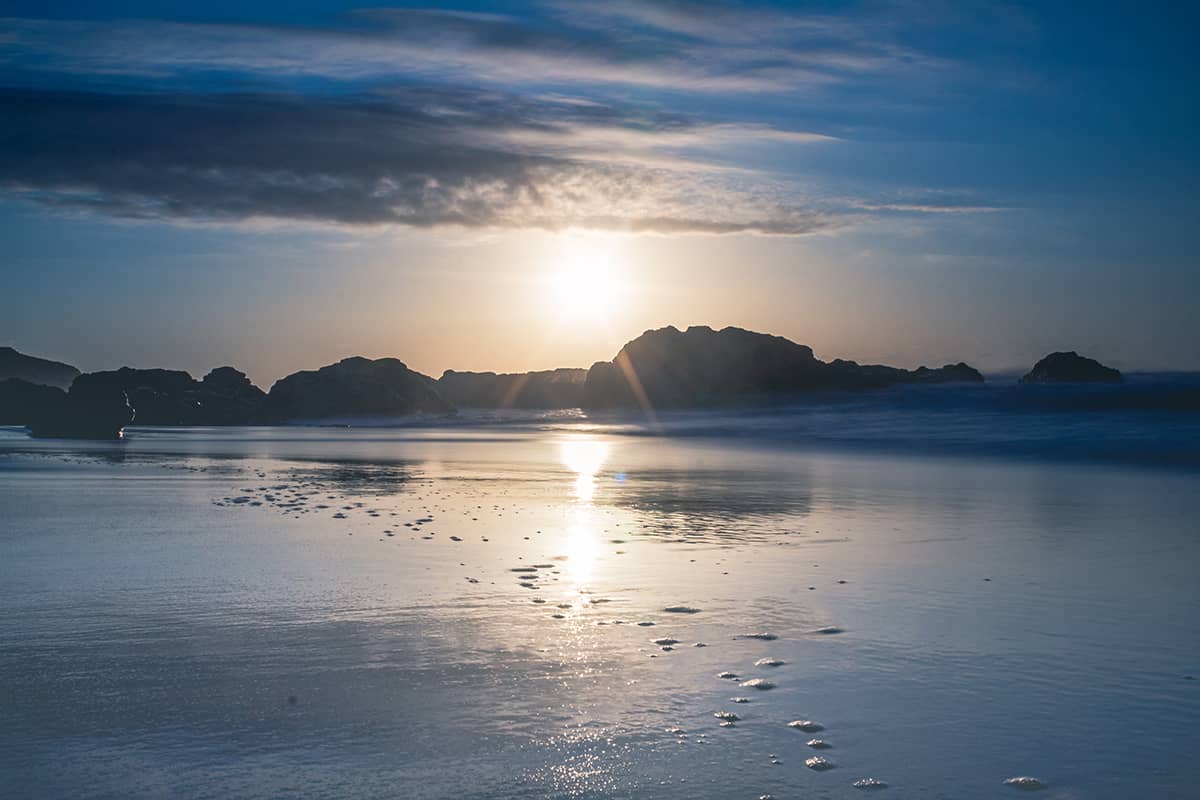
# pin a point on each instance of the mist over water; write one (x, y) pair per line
(520, 606)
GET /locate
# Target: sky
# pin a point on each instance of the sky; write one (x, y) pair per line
(515, 186)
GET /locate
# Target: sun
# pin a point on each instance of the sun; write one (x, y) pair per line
(586, 284)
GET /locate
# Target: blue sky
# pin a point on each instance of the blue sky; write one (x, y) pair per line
(279, 185)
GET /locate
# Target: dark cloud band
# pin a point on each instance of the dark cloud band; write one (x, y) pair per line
(411, 157)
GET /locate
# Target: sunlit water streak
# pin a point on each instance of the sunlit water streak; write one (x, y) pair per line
(187, 615)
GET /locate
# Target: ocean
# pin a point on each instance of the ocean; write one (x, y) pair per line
(948, 589)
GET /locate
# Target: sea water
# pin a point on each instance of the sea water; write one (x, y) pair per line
(560, 606)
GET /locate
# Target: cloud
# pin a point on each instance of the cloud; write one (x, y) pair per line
(719, 48)
(437, 117)
(416, 157)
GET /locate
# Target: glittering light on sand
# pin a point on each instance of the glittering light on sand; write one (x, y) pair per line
(584, 455)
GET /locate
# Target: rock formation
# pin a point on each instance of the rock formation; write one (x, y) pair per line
(1070, 367)
(90, 410)
(35, 370)
(22, 401)
(559, 388)
(158, 396)
(354, 387)
(669, 368)
(227, 397)
(173, 397)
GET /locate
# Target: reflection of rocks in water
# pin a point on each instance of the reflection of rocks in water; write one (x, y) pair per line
(711, 504)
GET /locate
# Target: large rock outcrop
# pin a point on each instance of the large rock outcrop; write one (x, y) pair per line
(173, 397)
(94, 409)
(227, 397)
(354, 387)
(558, 388)
(91, 409)
(700, 367)
(21, 401)
(1070, 367)
(14, 364)
(158, 396)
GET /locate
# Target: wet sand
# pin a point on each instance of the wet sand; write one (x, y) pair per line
(567, 612)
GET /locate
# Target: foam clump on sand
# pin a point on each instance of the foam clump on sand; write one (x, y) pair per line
(1024, 782)
(806, 725)
(869, 783)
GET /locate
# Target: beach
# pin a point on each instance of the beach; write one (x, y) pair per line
(559, 607)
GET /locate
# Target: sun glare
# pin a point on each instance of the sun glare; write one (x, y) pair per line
(586, 281)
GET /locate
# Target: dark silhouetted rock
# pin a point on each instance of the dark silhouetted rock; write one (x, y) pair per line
(1070, 367)
(92, 409)
(699, 367)
(355, 387)
(21, 401)
(158, 396)
(559, 388)
(172, 397)
(35, 370)
(227, 397)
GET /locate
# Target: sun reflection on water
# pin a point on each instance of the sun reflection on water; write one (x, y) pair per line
(585, 456)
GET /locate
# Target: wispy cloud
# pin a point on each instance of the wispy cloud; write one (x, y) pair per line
(413, 158)
(733, 49)
(437, 117)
